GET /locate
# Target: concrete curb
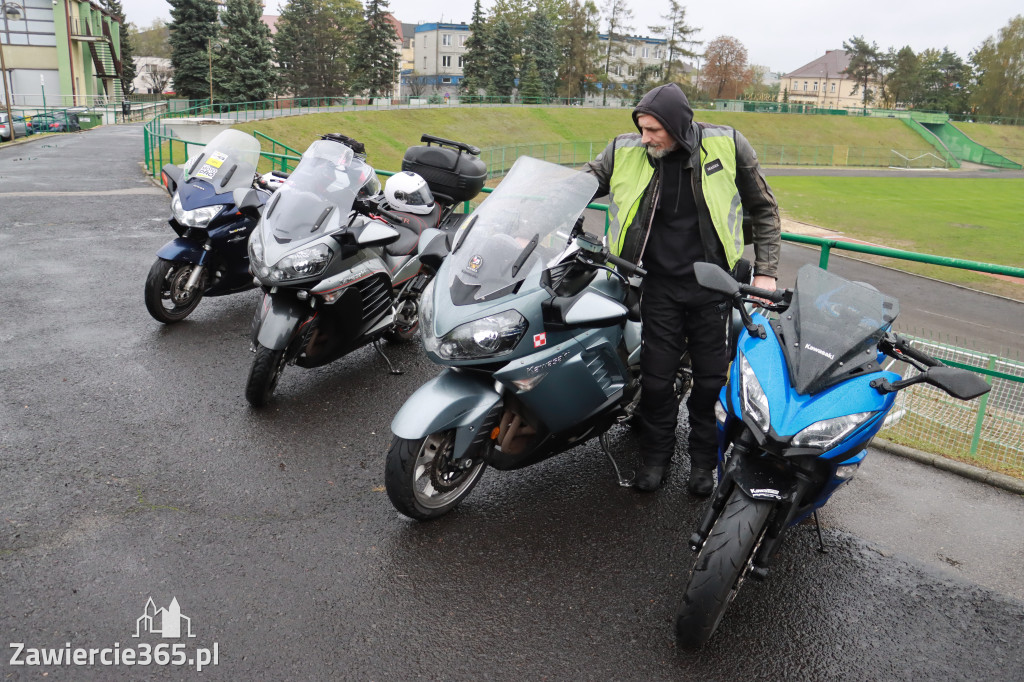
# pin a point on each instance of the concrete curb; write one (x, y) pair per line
(1008, 483)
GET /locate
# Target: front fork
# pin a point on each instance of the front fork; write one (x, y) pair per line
(197, 271)
(742, 469)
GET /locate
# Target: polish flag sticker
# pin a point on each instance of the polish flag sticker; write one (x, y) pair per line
(540, 340)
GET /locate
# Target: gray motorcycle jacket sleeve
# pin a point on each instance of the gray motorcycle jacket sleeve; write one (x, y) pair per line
(760, 203)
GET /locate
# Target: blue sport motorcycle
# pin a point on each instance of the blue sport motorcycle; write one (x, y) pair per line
(806, 394)
(215, 208)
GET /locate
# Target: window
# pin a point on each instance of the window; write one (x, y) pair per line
(815, 86)
(446, 60)
(462, 40)
(805, 86)
(462, 61)
(659, 54)
(632, 50)
(833, 88)
(446, 39)
(446, 79)
(646, 52)
(632, 71)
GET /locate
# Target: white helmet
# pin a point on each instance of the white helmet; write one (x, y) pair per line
(407, 191)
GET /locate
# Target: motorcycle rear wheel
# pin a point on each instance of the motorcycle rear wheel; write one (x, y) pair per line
(720, 568)
(166, 298)
(407, 322)
(266, 370)
(420, 479)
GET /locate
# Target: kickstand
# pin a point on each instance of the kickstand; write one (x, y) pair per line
(623, 481)
(821, 542)
(380, 352)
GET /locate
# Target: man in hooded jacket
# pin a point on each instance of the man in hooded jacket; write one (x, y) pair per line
(678, 192)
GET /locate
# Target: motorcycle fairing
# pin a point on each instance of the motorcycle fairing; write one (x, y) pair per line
(468, 399)
(352, 270)
(280, 317)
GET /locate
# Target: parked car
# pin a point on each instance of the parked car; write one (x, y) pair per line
(59, 122)
(21, 129)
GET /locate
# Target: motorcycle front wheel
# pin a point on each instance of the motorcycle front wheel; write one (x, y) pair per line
(421, 480)
(167, 299)
(722, 564)
(266, 370)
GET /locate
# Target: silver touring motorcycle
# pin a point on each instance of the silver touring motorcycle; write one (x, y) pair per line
(339, 265)
(540, 343)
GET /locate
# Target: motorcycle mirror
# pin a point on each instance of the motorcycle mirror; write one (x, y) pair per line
(248, 202)
(373, 233)
(715, 278)
(959, 383)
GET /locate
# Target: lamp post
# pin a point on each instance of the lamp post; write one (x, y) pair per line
(11, 10)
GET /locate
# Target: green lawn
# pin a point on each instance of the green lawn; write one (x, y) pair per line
(972, 219)
(388, 133)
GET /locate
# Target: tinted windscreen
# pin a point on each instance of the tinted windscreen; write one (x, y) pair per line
(831, 330)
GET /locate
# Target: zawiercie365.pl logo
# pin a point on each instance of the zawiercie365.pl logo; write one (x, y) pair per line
(166, 623)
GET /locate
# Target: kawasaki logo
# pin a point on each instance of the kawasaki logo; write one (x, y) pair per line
(815, 349)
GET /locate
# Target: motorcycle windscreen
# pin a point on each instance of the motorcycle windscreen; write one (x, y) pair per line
(318, 195)
(831, 331)
(227, 162)
(522, 226)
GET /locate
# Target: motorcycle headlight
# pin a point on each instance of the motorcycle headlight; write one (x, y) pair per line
(487, 337)
(199, 217)
(755, 402)
(826, 433)
(298, 265)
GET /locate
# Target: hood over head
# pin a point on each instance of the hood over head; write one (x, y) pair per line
(669, 105)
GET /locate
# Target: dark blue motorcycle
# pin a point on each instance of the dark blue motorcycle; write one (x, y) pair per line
(215, 207)
(806, 394)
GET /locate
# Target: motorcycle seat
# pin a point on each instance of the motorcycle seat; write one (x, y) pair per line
(410, 229)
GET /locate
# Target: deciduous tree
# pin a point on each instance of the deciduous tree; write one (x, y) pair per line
(313, 46)
(617, 16)
(579, 24)
(999, 71)
(726, 72)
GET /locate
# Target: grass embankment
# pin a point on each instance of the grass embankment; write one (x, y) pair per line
(971, 219)
(1005, 140)
(959, 218)
(388, 133)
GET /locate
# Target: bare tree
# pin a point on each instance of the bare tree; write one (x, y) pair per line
(157, 76)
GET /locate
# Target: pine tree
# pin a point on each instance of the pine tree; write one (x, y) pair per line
(543, 51)
(678, 36)
(193, 26)
(580, 48)
(243, 70)
(618, 15)
(313, 46)
(375, 62)
(502, 56)
(863, 67)
(474, 64)
(126, 54)
(531, 88)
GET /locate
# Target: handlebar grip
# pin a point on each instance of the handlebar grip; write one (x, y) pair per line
(776, 296)
(625, 265)
(903, 346)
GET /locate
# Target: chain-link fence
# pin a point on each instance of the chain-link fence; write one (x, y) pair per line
(988, 431)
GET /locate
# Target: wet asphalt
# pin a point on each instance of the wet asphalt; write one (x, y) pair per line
(131, 467)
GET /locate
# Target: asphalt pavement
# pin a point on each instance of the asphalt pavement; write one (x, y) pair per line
(131, 468)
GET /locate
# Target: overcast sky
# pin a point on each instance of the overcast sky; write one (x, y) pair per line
(779, 34)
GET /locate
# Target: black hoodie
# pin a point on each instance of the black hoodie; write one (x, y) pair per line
(674, 243)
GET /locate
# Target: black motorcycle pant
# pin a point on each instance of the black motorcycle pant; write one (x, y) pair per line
(680, 316)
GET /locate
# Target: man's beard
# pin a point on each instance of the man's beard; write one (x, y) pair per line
(660, 152)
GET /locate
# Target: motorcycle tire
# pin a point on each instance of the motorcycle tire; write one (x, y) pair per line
(266, 370)
(404, 330)
(166, 299)
(419, 478)
(720, 568)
